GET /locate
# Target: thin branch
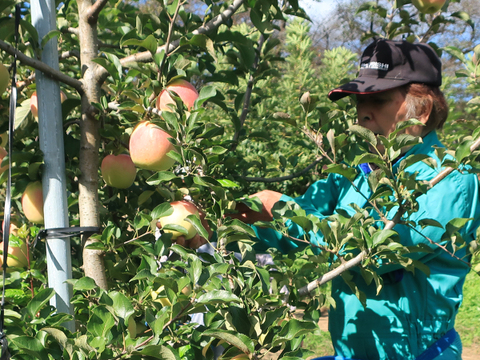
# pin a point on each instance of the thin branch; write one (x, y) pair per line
(304, 291)
(69, 53)
(444, 173)
(248, 94)
(283, 178)
(101, 73)
(94, 11)
(39, 65)
(358, 259)
(169, 36)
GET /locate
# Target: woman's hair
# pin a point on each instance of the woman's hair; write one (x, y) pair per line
(417, 100)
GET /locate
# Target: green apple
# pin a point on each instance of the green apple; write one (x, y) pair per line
(32, 202)
(118, 171)
(428, 6)
(181, 209)
(17, 254)
(4, 78)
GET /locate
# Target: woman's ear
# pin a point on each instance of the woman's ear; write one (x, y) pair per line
(427, 107)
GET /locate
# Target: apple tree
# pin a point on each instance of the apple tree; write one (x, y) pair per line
(261, 114)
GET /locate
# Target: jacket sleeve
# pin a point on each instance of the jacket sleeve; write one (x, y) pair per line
(319, 200)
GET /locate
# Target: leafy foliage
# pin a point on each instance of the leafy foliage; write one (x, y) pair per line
(261, 119)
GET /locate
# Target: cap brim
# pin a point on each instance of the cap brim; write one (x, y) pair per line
(365, 85)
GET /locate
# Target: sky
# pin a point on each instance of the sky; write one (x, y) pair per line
(318, 10)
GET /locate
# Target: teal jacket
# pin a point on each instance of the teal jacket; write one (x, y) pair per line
(413, 310)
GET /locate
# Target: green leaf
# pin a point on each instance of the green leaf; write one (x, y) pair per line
(218, 297)
(381, 236)
(341, 169)
(158, 352)
(60, 337)
(367, 158)
(30, 346)
(164, 209)
(37, 303)
(100, 322)
(140, 221)
(228, 183)
(364, 133)
(240, 341)
(456, 52)
(121, 304)
(429, 222)
(21, 114)
(160, 177)
(197, 224)
(293, 329)
(463, 150)
(462, 15)
(150, 43)
(51, 34)
(84, 284)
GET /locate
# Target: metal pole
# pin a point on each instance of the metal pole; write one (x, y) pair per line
(50, 124)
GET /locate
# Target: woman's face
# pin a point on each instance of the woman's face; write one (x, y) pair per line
(381, 112)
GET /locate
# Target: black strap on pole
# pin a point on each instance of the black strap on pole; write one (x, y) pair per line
(65, 232)
(5, 354)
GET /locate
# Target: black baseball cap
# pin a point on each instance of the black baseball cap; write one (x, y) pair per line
(387, 64)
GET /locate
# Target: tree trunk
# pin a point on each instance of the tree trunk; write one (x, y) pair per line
(93, 263)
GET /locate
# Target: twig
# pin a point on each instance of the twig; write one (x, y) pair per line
(358, 259)
(248, 94)
(145, 56)
(304, 291)
(283, 178)
(169, 36)
(39, 65)
(94, 11)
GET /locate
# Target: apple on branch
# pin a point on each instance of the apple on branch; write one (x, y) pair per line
(181, 209)
(428, 6)
(32, 202)
(34, 102)
(183, 89)
(4, 78)
(118, 171)
(3, 153)
(149, 146)
(17, 254)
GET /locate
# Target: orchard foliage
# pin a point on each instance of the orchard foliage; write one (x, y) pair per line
(262, 120)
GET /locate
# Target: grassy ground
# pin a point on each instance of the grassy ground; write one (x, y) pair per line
(468, 318)
(467, 323)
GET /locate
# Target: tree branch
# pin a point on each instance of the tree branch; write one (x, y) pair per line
(283, 178)
(39, 65)
(145, 56)
(358, 259)
(248, 94)
(94, 11)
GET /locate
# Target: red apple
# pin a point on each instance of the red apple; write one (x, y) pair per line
(32, 202)
(118, 171)
(181, 209)
(4, 78)
(428, 6)
(183, 89)
(18, 254)
(34, 102)
(149, 147)
(3, 153)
